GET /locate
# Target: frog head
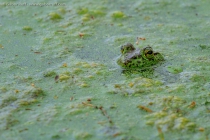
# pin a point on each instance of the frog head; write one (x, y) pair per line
(149, 54)
(133, 58)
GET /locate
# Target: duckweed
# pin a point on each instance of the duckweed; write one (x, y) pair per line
(203, 46)
(94, 13)
(118, 14)
(138, 86)
(35, 92)
(82, 11)
(54, 16)
(86, 17)
(3, 89)
(84, 85)
(64, 77)
(75, 112)
(62, 10)
(97, 39)
(174, 70)
(82, 135)
(49, 74)
(1, 46)
(11, 122)
(64, 65)
(77, 71)
(27, 28)
(198, 77)
(90, 76)
(97, 13)
(169, 121)
(28, 102)
(7, 101)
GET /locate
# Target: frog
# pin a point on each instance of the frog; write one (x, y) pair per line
(132, 57)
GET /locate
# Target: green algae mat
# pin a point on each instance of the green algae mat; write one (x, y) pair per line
(59, 78)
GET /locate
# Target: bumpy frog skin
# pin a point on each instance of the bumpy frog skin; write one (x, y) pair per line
(136, 58)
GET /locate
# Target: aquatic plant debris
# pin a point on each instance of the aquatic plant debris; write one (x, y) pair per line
(60, 80)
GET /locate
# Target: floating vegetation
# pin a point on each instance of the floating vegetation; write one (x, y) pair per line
(118, 14)
(169, 120)
(8, 100)
(54, 16)
(35, 92)
(27, 28)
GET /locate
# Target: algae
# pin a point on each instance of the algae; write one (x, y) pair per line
(59, 62)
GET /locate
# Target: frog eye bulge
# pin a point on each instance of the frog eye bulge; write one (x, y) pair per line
(150, 52)
(127, 48)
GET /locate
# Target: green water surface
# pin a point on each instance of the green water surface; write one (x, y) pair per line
(59, 78)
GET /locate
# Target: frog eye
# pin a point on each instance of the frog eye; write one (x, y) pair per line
(150, 52)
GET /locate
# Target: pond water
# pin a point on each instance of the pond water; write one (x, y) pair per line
(59, 78)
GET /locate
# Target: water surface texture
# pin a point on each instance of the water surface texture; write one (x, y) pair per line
(59, 78)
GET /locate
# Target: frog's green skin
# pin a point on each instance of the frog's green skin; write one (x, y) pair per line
(136, 58)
